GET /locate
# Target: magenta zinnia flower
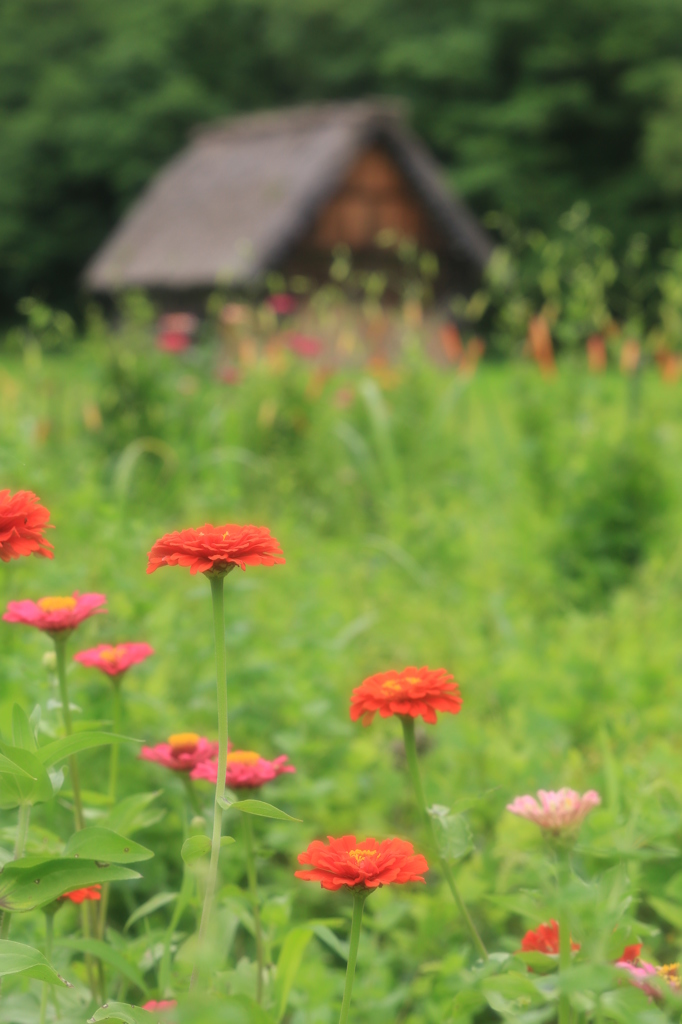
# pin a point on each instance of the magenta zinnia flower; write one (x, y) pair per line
(183, 752)
(55, 614)
(246, 769)
(114, 661)
(556, 812)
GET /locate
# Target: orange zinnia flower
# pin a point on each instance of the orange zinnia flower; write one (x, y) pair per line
(217, 548)
(365, 865)
(91, 892)
(545, 939)
(22, 521)
(413, 692)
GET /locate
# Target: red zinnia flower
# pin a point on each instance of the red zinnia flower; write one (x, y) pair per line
(414, 691)
(367, 864)
(246, 769)
(545, 939)
(631, 953)
(216, 547)
(22, 521)
(114, 660)
(183, 752)
(160, 1004)
(91, 892)
(55, 614)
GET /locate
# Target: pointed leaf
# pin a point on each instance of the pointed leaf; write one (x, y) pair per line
(103, 951)
(60, 749)
(31, 882)
(161, 899)
(19, 790)
(22, 733)
(260, 808)
(105, 846)
(288, 963)
(194, 848)
(16, 958)
(125, 1012)
(8, 767)
(131, 815)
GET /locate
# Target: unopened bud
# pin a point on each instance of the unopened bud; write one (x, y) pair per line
(50, 661)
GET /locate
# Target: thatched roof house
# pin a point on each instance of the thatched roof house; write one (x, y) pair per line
(279, 190)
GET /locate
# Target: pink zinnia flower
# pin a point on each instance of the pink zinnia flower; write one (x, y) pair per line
(183, 752)
(641, 971)
(55, 614)
(556, 812)
(246, 769)
(114, 660)
(282, 304)
(160, 1004)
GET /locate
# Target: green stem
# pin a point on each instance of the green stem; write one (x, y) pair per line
(19, 848)
(565, 1014)
(415, 775)
(221, 692)
(191, 794)
(49, 932)
(60, 649)
(115, 749)
(180, 905)
(358, 906)
(253, 888)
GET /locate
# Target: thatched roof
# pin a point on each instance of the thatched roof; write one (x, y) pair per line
(240, 195)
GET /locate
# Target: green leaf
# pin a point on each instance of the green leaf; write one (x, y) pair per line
(105, 846)
(133, 814)
(17, 789)
(32, 882)
(670, 912)
(125, 1012)
(58, 750)
(16, 958)
(194, 848)
(8, 767)
(452, 833)
(161, 899)
(540, 962)
(288, 963)
(260, 808)
(22, 733)
(103, 951)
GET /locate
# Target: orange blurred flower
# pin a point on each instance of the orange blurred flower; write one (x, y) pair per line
(366, 865)
(545, 939)
(451, 342)
(630, 355)
(90, 892)
(540, 343)
(216, 548)
(596, 353)
(22, 521)
(413, 691)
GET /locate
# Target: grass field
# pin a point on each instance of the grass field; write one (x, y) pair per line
(522, 531)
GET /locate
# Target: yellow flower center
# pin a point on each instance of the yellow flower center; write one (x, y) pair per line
(360, 855)
(670, 972)
(243, 757)
(390, 686)
(57, 604)
(183, 742)
(112, 654)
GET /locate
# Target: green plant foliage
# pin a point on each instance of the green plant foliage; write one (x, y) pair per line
(31, 882)
(17, 958)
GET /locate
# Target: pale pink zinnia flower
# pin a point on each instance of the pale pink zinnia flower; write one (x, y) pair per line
(641, 971)
(114, 660)
(556, 812)
(183, 752)
(246, 769)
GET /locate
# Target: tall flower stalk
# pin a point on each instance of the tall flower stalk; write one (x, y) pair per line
(415, 776)
(355, 929)
(252, 878)
(60, 651)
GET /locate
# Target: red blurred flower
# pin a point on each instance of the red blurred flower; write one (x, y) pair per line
(545, 939)
(183, 752)
(246, 769)
(55, 614)
(367, 865)
(114, 660)
(160, 1004)
(229, 375)
(175, 331)
(304, 346)
(413, 691)
(22, 521)
(282, 304)
(631, 953)
(218, 548)
(90, 892)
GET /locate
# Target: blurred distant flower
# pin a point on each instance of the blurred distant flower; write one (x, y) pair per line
(160, 1004)
(175, 331)
(304, 346)
(22, 521)
(365, 865)
(596, 353)
(474, 352)
(412, 691)
(216, 548)
(234, 313)
(669, 365)
(114, 660)
(631, 953)
(246, 769)
(55, 614)
(545, 939)
(642, 973)
(540, 343)
(90, 892)
(556, 812)
(344, 397)
(282, 304)
(229, 375)
(183, 752)
(451, 342)
(630, 355)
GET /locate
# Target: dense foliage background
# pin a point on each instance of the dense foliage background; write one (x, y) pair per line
(530, 104)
